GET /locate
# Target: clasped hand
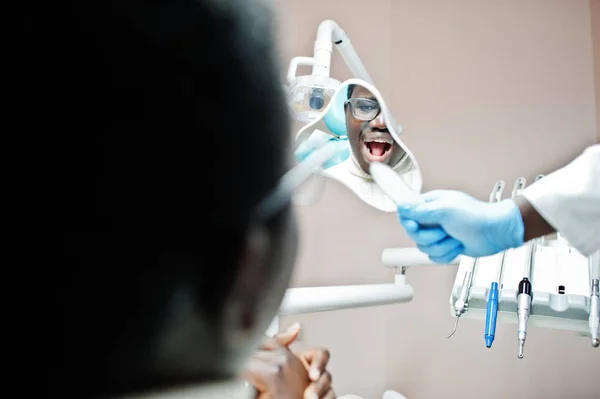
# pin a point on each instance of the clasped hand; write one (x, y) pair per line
(278, 373)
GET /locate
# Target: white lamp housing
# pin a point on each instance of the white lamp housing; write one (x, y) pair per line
(310, 94)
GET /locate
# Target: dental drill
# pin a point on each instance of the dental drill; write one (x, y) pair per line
(523, 312)
(524, 296)
(462, 303)
(491, 314)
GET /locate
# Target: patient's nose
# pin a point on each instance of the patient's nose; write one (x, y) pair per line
(378, 123)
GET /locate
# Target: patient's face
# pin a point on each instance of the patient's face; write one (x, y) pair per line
(370, 140)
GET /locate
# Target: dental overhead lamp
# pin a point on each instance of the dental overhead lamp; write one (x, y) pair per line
(310, 94)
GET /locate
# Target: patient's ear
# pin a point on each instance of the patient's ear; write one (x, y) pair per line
(250, 279)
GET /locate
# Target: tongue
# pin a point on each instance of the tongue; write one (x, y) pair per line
(377, 149)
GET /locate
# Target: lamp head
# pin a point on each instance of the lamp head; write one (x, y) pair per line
(317, 99)
(309, 95)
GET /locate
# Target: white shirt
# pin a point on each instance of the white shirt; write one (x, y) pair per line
(363, 185)
(569, 200)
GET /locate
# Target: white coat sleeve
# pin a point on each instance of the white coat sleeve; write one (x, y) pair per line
(569, 200)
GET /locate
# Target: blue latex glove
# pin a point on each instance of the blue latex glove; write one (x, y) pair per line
(450, 223)
(317, 140)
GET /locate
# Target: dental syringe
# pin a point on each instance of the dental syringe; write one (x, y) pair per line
(491, 314)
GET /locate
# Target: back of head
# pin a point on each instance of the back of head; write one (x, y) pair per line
(141, 135)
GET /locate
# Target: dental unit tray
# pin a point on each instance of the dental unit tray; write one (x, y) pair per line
(560, 278)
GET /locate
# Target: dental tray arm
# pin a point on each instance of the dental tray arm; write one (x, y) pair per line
(319, 299)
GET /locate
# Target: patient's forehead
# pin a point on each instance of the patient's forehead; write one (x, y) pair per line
(362, 92)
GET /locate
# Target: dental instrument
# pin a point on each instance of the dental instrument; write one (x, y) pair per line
(594, 320)
(516, 191)
(524, 291)
(492, 304)
(523, 312)
(462, 303)
(393, 185)
(594, 317)
(290, 185)
(310, 94)
(518, 187)
(541, 240)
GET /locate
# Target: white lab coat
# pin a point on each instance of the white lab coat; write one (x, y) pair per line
(569, 200)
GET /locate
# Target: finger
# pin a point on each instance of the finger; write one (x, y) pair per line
(317, 359)
(448, 257)
(258, 372)
(429, 213)
(269, 344)
(440, 248)
(427, 236)
(330, 395)
(409, 225)
(288, 336)
(434, 195)
(320, 387)
(266, 355)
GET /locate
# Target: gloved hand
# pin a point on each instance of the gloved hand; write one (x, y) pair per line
(319, 139)
(450, 223)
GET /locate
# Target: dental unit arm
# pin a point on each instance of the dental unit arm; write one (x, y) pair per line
(310, 94)
(319, 299)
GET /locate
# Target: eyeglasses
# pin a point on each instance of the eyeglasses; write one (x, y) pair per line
(299, 185)
(364, 109)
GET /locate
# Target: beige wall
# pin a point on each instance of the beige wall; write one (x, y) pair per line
(595, 14)
(486, 90)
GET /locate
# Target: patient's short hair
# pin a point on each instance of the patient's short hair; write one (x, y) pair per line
(351, 88)
(138, 138)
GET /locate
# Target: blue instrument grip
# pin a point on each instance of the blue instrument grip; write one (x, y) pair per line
(491, 315)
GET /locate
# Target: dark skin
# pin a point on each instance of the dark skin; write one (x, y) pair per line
(278, 373)
(535, 225)
(361, 132)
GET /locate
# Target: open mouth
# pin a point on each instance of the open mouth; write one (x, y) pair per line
(377, 149)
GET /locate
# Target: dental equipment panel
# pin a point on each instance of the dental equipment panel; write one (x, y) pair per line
(545, 283)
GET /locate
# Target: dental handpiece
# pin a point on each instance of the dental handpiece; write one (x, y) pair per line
(524, 298)
(594, 313)
(491, 314)
(524, 292)
(523, 312)
(462, 303)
